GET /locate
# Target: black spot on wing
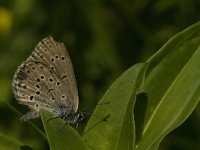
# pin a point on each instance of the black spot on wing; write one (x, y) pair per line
(21, 75)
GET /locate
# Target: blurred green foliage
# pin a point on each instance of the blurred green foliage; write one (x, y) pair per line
(103, 37)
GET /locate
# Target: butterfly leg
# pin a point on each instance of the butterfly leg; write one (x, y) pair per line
(62, 126)
(76, 126)
(103, 103)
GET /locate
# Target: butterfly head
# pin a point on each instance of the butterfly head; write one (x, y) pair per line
(74, 118)
(81, 116)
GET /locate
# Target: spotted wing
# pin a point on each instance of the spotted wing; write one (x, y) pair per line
(46, 79)
(56, 56)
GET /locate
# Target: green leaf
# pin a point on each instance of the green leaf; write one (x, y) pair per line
(8, 143)
(172, 87)
(118, 131)
(59, 138)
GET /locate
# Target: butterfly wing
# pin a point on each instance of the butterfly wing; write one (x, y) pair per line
(55, 54)
(46, 79)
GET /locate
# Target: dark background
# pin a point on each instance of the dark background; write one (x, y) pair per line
(103, 38)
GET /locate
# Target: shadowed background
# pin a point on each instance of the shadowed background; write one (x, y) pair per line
(103, 38)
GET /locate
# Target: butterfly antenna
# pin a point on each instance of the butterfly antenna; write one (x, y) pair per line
(94, 125)
(101, 118)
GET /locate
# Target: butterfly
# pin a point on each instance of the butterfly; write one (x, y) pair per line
(46, 80)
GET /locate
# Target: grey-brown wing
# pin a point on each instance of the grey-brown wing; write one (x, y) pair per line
(46, 78)
(55, 55)
(35, 86)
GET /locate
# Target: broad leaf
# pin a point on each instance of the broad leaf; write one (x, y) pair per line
(59, 137)
(116, 131)
(7, 143)
(172, 87)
